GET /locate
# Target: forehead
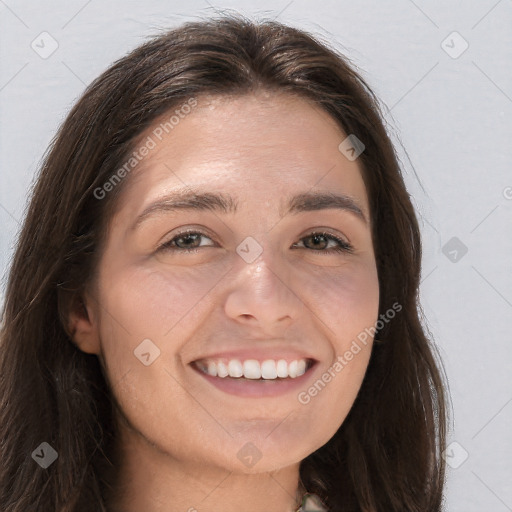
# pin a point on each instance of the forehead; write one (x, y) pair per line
(252, 127)
(259, 146)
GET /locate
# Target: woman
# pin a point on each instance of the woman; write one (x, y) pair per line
(218, 235)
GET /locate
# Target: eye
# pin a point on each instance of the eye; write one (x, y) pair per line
(186, 241)
(320, 241)
(189, 242)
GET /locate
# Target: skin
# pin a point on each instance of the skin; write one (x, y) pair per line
(180, 435)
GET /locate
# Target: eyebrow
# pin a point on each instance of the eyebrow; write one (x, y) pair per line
(197, 200)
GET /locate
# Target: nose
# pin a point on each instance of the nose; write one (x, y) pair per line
(263, 296)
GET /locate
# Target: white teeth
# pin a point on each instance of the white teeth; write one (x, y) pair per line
(282, 368)
(268, 369)
(212, 369)
(222, 371)
(252, 369)
(235, 368)
(292, 369)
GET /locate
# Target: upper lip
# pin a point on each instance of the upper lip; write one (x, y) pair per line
(258, 353)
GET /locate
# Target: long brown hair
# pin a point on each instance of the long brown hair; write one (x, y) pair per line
(386, 456)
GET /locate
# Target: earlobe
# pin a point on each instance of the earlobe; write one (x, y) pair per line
(83, 324)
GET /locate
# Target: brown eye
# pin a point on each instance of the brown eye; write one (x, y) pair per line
(188, 241)
(319, 242)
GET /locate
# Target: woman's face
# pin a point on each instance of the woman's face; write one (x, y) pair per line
(251, 283)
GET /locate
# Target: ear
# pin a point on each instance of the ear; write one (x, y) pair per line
(82, 323)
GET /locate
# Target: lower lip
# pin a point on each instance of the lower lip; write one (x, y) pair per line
(257, 388)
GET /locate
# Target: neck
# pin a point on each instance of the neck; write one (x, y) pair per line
(155, 481)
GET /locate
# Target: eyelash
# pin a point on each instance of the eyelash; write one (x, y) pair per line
(343, 246)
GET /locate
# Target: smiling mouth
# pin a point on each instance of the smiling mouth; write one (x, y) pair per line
(270, 370)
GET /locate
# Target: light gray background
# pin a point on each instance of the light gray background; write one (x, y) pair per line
(451, 112)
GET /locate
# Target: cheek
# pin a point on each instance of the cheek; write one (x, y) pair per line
(148, 304)
(164, 307)
(151, 302)
(345, 300)
(346, 304)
